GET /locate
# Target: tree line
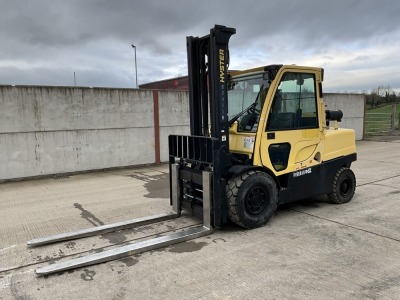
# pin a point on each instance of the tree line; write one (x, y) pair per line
(382, 95)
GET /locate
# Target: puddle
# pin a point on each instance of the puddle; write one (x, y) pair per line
(157, 186)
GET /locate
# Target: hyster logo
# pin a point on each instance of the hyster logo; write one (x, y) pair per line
(302, 172)
(221, 65)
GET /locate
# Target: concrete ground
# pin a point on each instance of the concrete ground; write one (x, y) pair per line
(309, 250)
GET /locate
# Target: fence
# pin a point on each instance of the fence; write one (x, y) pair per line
(383, 123)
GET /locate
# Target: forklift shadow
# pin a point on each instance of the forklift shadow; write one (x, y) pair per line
(313, 202)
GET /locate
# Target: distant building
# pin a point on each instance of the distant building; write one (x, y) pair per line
(178, 83)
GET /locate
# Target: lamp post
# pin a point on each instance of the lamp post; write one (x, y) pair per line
(134, 47)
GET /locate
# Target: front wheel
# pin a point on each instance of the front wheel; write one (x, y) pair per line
(343, 186)
(252, 199)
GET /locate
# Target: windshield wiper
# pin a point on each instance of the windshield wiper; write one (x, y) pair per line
(234, 118)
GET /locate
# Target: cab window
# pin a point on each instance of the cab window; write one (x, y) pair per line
(295, 103)
(246, 97)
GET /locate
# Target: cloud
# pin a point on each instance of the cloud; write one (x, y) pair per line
(44, 42)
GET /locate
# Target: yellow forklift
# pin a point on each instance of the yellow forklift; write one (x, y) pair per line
(258, 138)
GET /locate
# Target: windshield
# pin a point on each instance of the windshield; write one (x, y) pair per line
(246, 97)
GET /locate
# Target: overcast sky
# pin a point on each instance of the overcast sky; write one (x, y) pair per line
(43, 42)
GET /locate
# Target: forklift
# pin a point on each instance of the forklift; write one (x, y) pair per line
(258, 138)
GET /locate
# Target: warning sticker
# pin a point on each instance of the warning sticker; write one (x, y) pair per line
(248, 142)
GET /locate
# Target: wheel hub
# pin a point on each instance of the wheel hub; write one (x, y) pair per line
(345, 187)
(257, 200)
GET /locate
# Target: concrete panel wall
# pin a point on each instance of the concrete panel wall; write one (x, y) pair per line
(42, 153)
(174, 117)
(29, 109)
(353, 107)
(50, 130)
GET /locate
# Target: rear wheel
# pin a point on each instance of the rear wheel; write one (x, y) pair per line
(252, 199)
(343, 186)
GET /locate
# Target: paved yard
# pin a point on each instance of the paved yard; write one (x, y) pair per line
(309, 250)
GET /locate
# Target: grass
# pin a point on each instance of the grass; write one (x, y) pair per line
(386, 108)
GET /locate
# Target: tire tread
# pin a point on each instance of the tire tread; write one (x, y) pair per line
(233, 188)
(333, 196)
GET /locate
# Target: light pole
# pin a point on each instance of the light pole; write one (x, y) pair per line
(134, 47)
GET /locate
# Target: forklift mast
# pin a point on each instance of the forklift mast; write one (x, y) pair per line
(208, 60)
(207, 148)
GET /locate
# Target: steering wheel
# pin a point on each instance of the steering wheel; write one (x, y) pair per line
(254, 110)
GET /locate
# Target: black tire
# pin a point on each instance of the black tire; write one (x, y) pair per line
(252, 199)
(343, 186)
